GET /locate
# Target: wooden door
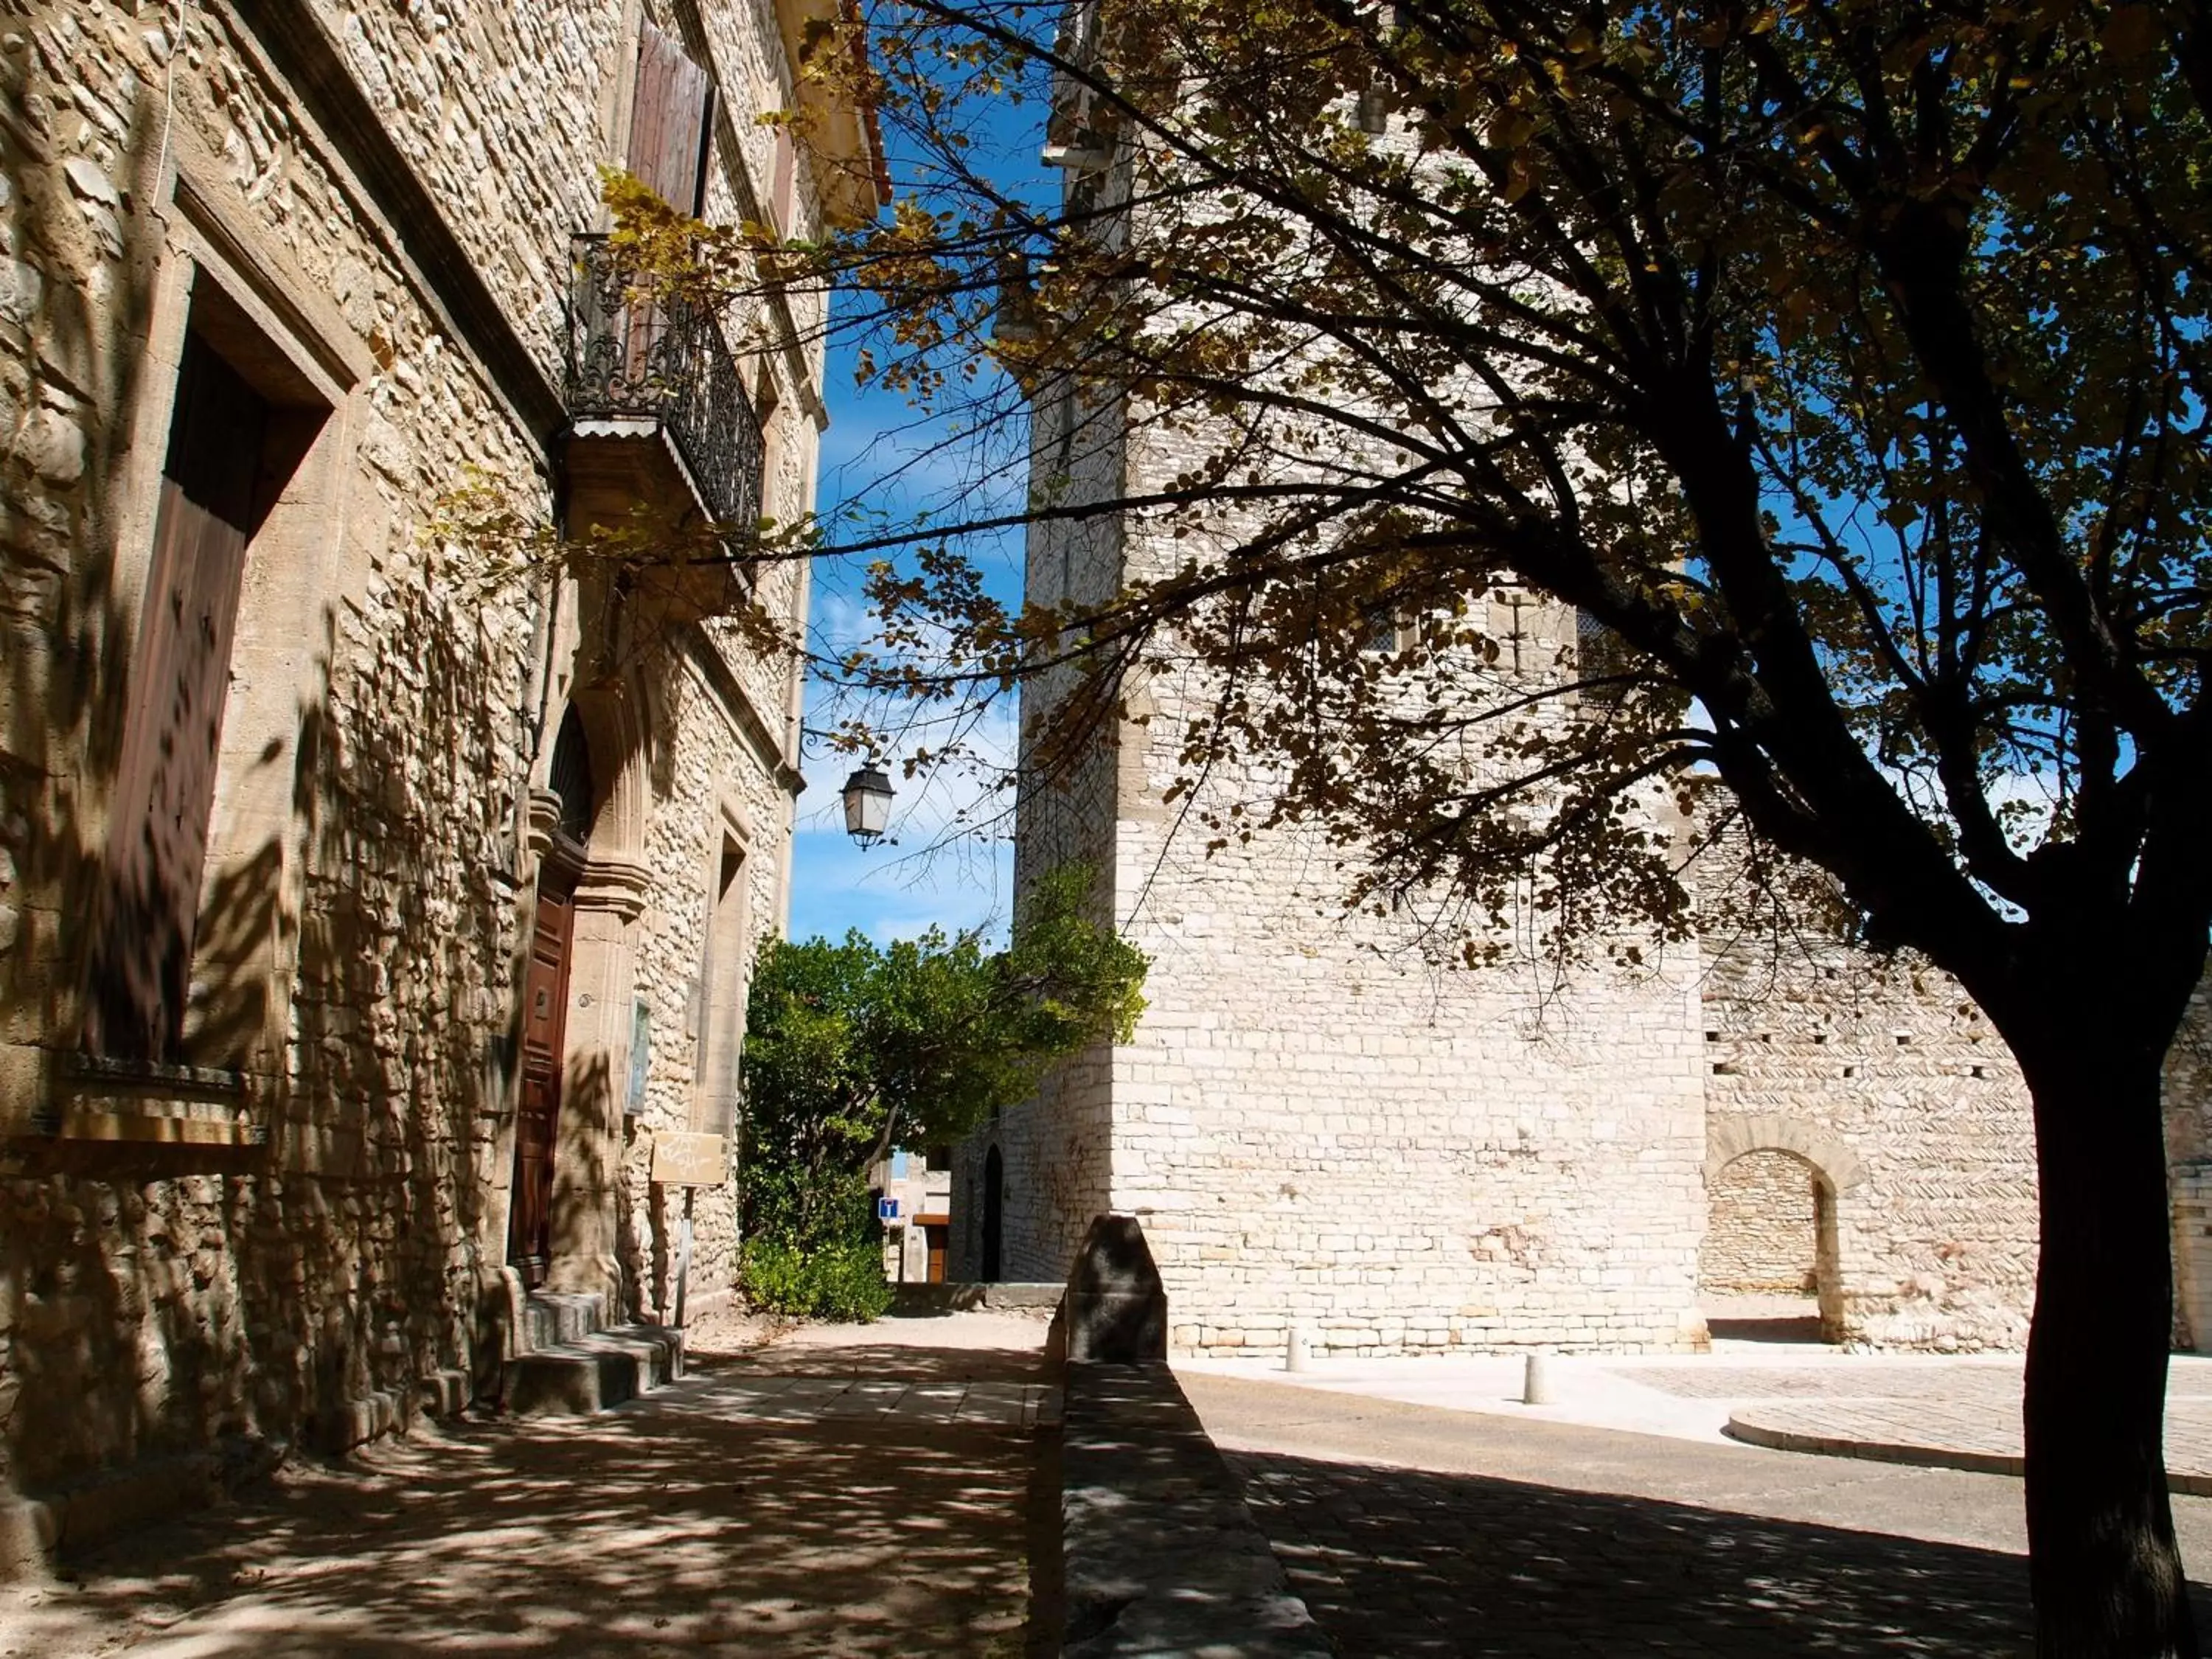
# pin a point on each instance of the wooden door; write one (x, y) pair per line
(936, 1236)
(544, 1025)
(146, 914)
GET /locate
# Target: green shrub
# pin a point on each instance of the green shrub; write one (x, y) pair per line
(841, 1279)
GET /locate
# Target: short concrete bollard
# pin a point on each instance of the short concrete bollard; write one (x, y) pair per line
(1294, 1359)
(1536, 1382)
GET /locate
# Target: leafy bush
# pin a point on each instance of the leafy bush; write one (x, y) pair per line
(853, 1049)
(840, 1278)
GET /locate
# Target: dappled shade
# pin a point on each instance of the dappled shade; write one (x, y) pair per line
(681, 1524)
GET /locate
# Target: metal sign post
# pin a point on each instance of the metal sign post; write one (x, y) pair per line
(684, 1254)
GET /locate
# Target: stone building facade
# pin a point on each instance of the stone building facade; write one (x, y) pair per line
(332, 850)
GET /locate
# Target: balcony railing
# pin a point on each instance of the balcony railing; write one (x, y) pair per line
(666, 361)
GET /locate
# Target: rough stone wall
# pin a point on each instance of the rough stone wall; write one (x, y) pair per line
(709, 780)
(1887, 1061)
(153, 1296)
(1760, 1221)
(506, 112)
(783, 344)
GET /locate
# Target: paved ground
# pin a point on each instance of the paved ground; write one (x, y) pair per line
(850, 1490)
(1961, 1412)
(1963, 1417)
(1415, 1530)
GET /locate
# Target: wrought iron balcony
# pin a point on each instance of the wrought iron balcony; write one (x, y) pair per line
(633, 360)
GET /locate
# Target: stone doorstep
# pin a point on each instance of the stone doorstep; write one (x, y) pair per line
(358, 1421)
(550, 1318)
(594, 1373)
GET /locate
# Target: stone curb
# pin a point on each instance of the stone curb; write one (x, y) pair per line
(1161, 1559)
(1754, 1433)
(912, 1300)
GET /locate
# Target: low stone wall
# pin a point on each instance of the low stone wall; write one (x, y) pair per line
(1160, 1554)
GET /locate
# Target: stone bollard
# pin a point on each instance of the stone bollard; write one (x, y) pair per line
(1295, 1358)
(1536, 1380)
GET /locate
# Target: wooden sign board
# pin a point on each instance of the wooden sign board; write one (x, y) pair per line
(690, 1160)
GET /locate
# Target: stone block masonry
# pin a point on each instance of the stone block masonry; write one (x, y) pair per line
(298, 1213)
(1760, 1226)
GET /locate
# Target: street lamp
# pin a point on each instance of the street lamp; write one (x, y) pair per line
(867, 806)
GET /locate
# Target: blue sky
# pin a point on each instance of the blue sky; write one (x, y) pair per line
(946, 861)
(951, 865)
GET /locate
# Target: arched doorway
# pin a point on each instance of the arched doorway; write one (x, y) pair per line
(1769, 1267)
(1758, 1271)
(545, 1007)
(994, 1198)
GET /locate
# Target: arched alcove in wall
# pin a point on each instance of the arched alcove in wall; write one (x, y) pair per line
(994, 1220)
(613, 721)
(1768, 1267)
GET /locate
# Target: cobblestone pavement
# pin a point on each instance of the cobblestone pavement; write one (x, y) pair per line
(1412, 1531)
(860, 1493)
(1959, 1416)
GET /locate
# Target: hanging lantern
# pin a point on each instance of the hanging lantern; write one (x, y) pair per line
(867, 806)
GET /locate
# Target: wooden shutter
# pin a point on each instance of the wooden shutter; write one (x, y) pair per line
(668, 121)
(787, 169)
(147, 913)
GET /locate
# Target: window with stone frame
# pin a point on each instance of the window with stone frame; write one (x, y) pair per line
(147, 909)
(177, 927)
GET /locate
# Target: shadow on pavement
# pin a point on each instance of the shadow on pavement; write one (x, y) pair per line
(1403, 1563)
(902, 1362)
(1792, 1330)
(667, 1526)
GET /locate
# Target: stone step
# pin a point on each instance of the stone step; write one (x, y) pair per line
(594, 1371)
(550, 1318)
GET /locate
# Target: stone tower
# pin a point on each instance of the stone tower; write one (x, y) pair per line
(1317, 1126)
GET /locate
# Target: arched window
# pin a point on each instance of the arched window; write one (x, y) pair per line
(571, 777)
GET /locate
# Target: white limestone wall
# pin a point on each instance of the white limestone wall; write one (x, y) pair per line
(1315, 1125)
(1760, 1226)
(1883, 1074)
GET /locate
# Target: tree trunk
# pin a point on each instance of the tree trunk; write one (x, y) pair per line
(2106, 1576)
